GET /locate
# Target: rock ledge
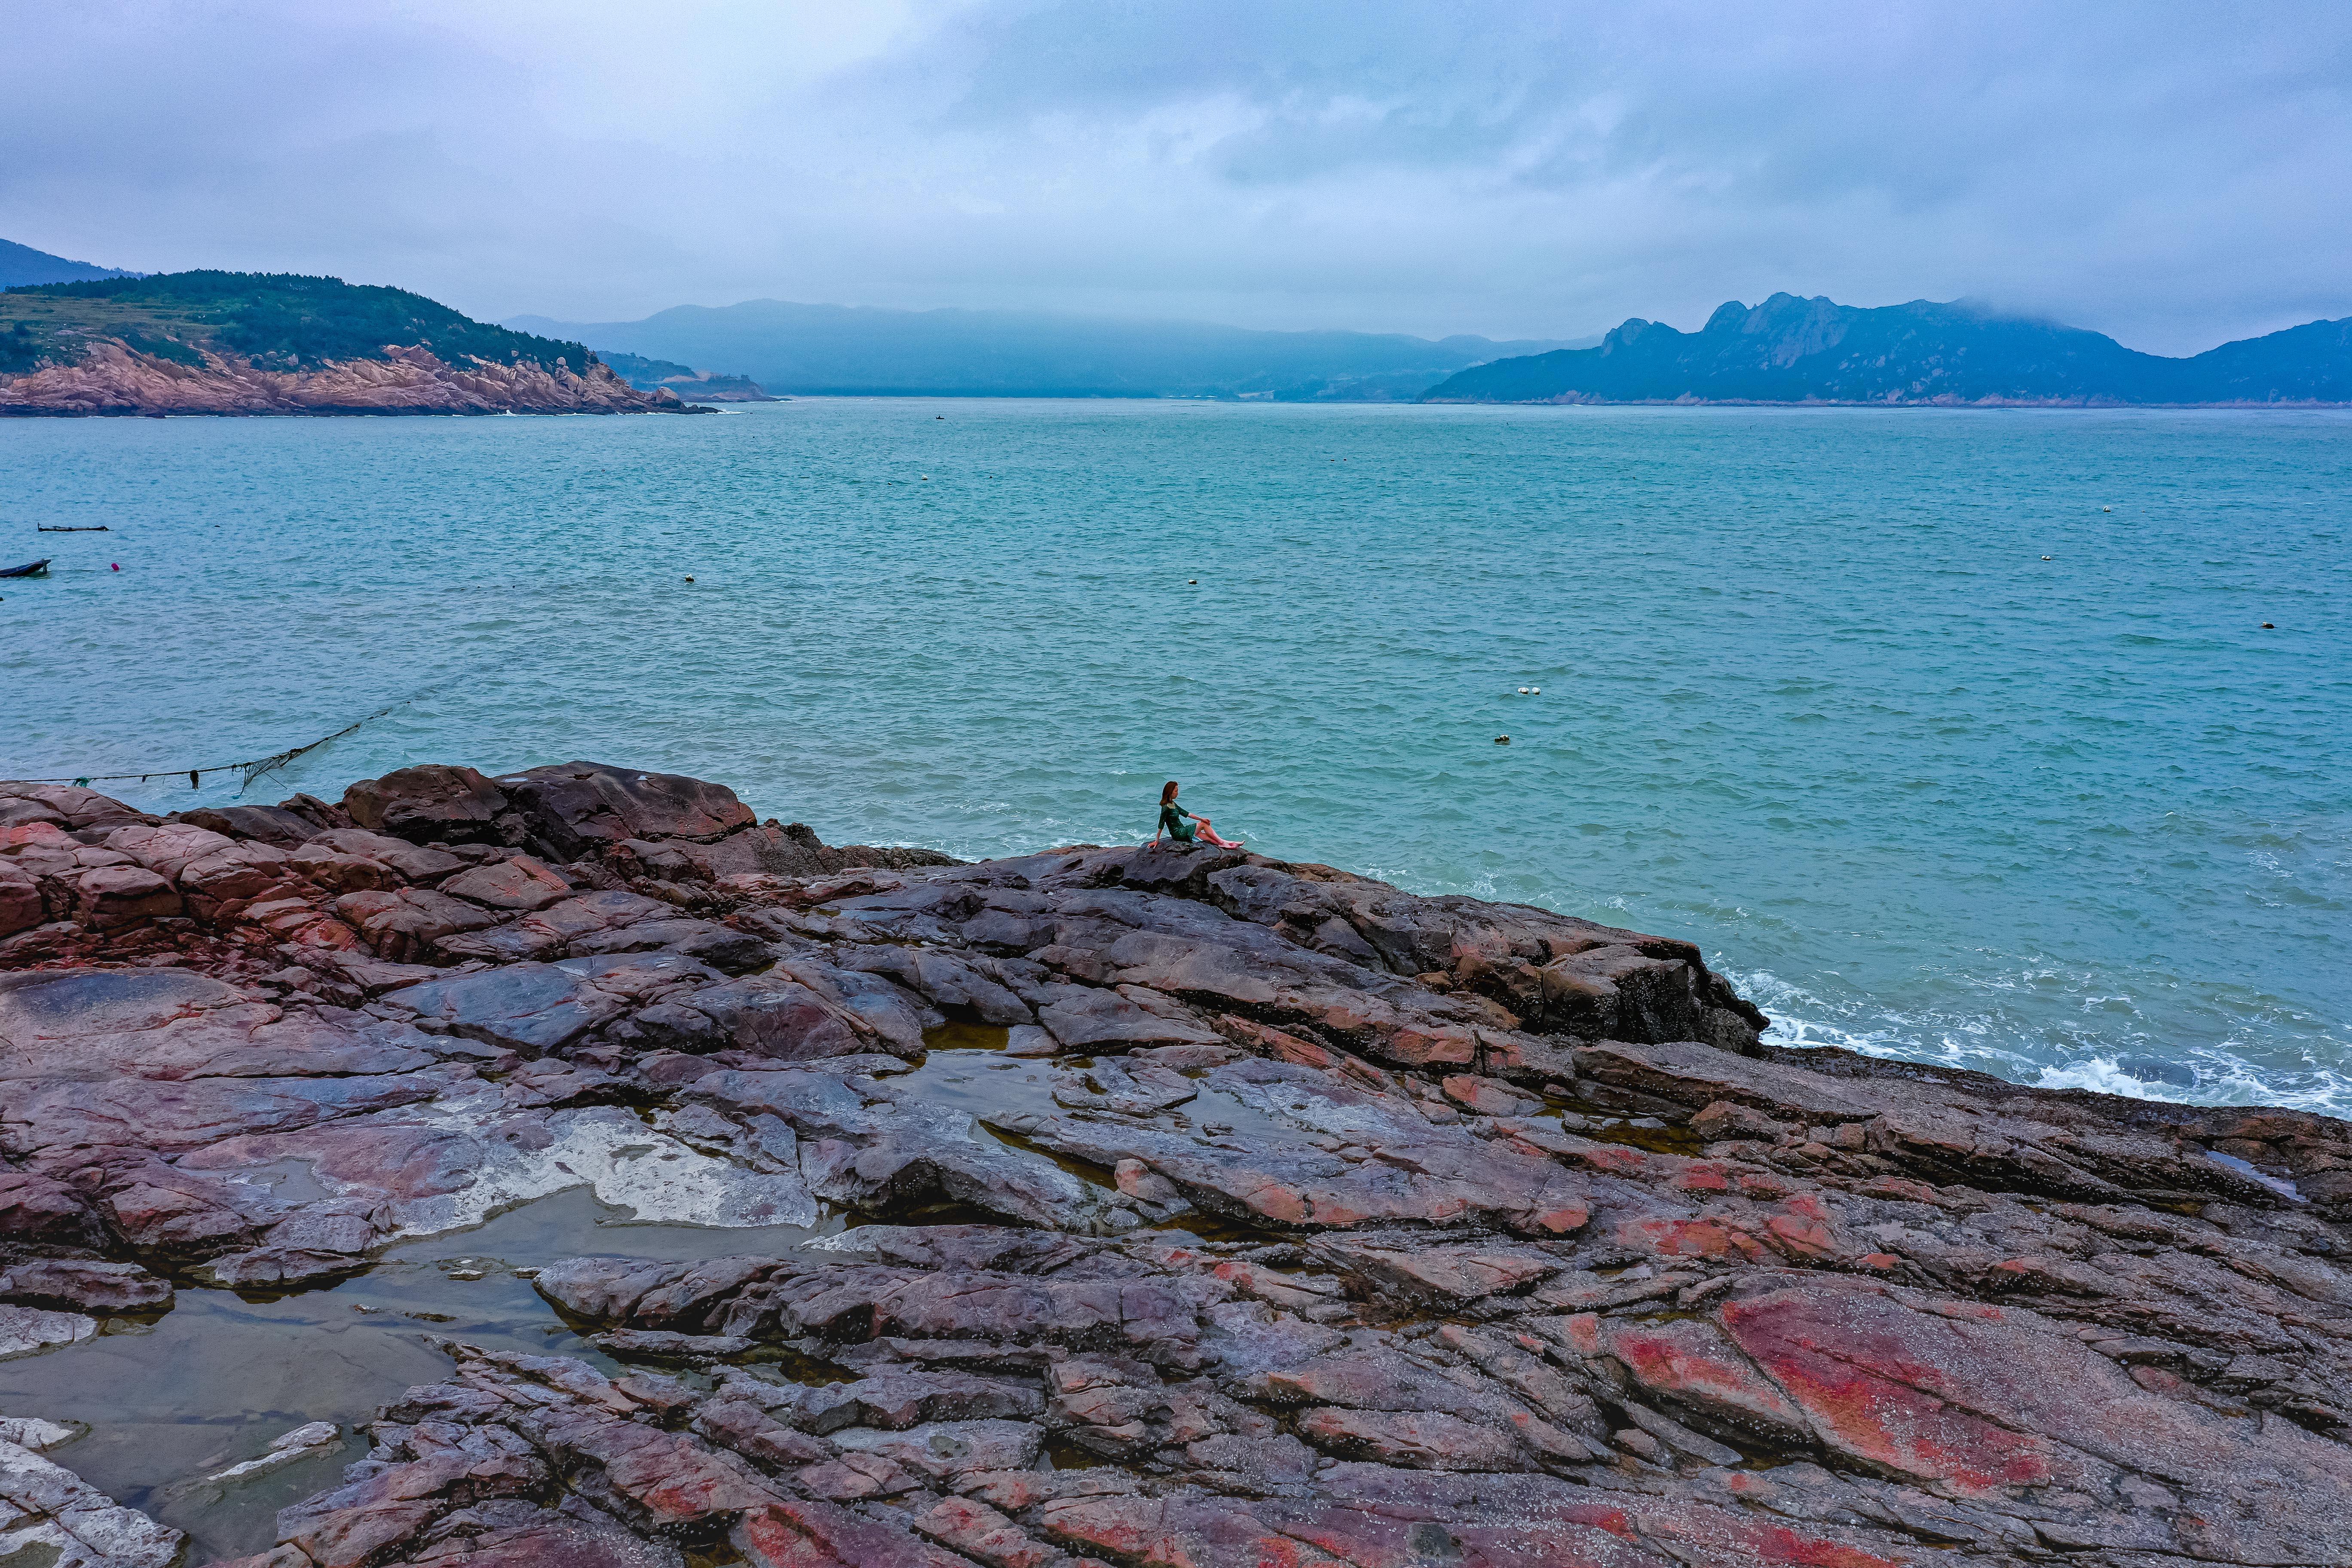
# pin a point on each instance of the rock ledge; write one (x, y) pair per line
(1339, 1225)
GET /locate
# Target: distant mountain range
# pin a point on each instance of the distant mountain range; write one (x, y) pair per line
(21, 264)
(854, 351)
(1785, 351)
(1788, 349)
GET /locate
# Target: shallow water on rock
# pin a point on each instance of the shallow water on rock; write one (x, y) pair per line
(211, 1383)
(216, 1379)
(172, 1401)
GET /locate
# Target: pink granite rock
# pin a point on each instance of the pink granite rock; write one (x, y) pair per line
(521, 883)
(1348, 1227)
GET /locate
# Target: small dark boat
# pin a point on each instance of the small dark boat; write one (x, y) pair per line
(37, 569)
(94, 528)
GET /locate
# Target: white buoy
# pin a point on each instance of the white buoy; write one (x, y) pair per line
(1523, 691)
(1534, 692)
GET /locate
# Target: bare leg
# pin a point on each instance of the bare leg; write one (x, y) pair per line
(1209, 835)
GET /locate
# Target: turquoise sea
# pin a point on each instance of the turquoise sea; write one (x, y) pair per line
(1952, 734)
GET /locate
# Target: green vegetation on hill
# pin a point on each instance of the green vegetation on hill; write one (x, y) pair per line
(279, 320)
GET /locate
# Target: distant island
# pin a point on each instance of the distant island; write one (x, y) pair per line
(845, 351)
(1793, 351)
(688, 383)
(252, 342)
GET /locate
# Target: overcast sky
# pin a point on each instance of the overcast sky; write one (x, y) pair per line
(2175, 174)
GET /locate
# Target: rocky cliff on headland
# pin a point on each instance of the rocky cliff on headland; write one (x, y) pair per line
(113, 378)
(1358, 1228)
(235, 342)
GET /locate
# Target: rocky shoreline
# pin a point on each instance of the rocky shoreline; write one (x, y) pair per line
(1343, 1226)
(113, 378)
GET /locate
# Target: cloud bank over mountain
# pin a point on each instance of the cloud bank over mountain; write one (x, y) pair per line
(2173, 175)
(795, 348)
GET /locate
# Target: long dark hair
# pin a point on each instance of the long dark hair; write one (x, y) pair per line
(1167, 792)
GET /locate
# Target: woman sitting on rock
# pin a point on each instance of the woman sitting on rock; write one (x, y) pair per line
(1172, 823)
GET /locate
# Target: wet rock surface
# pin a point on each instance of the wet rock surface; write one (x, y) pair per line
(50, 1516)
(1267, 1215)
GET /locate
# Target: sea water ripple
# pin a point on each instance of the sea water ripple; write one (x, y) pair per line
(1954, 735)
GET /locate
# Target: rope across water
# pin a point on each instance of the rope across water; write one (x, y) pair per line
(252, 770)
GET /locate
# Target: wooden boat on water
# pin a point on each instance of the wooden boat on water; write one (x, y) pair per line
(36, 569)
(85, 528)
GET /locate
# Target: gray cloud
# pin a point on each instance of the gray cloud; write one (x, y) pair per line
(2173, 173)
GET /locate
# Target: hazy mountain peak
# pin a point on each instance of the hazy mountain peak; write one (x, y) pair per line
(21, 264)
(1790, 349)
(867, 350)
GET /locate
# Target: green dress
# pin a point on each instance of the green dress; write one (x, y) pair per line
(1172, 823)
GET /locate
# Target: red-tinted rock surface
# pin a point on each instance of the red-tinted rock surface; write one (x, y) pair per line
(456, 806)
(1348, 1228)
(111, 377)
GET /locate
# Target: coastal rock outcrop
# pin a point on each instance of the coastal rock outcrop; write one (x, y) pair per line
(116, 378)
(1312, 1222)
(241, 344)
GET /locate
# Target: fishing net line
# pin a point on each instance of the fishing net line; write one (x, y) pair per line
(251, 770)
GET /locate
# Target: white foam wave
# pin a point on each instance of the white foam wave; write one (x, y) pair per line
(1987, 1043)
(2103, 1075)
